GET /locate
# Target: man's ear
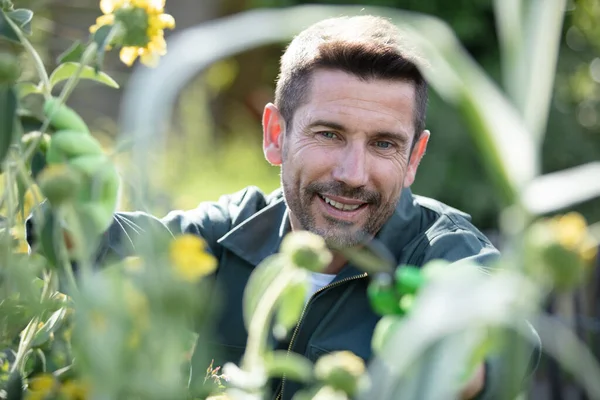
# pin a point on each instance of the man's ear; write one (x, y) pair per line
(273, 132)
(415, 158)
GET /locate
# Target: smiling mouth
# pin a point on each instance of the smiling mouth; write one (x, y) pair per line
(341, 206)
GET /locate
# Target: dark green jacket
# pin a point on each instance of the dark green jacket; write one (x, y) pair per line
(244, 228)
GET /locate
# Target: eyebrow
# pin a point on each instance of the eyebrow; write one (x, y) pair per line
(378, 134)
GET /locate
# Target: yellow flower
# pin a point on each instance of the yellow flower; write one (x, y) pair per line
(189, 258)
(143, 23)
(74, 390)
(40, 387)
(572, 233)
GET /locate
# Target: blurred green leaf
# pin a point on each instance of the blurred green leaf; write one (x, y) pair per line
(530, 38)
(72, 54)
(14, 387)
(289, 364)
(6, 31)
(102, 37)
(562, 189)
(25, 88)
(8, 110)
(259, 281)
(49, 327)
(291, 304)
(66, 70)
(22, 17)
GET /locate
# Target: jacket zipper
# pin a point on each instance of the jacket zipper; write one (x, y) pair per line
(364, 275)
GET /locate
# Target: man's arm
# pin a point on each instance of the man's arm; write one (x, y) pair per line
(505, 373)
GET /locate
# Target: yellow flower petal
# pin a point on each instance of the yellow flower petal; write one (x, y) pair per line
(167, 21)
(128, 55)
(189, 258)
(571, 230)
(158, 5)
(43, 383)
(149, 58)
(108, 6)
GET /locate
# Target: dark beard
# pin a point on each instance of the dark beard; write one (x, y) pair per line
(338, 234)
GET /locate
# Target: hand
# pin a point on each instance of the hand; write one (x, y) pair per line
(475, 384)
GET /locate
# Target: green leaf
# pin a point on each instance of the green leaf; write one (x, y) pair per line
(259, 281)
(66, 70)
(72, 54)
(558, 190)
(102, 38)
(22, 17)
(291, 305)
(8, 110)
(289, 364)
(26, 88)
(53, 323)
(6, 31)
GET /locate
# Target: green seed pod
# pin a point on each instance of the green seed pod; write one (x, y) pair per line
(65, 145)
(64, 118)
(408, 280)
(341, 370)
(58, 183)
(382, 295)
(306, 250)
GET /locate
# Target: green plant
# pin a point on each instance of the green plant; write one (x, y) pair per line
(126, 329)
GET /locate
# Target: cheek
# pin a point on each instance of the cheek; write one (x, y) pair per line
(387, 177)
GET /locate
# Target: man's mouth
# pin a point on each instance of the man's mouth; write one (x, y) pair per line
(345, 205)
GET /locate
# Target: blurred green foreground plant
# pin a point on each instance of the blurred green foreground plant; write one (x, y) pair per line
(70, 330)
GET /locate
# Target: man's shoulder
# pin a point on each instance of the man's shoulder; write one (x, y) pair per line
(225, 213)
(438, 230)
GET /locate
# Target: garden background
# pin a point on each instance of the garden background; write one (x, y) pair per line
(214, 140)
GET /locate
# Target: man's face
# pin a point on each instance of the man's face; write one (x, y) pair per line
(347, 156)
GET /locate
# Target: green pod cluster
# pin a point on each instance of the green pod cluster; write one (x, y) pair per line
(62, 117)
(394, 294)
(96, 195)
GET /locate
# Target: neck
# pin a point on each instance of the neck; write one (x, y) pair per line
(336, 264)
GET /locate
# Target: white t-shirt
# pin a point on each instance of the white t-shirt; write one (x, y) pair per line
(318, 281)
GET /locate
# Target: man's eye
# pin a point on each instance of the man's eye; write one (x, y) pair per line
(328, 135)
(383, 145)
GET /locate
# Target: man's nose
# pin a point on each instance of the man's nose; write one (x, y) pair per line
(351, 166)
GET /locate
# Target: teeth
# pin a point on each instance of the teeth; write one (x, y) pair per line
(340, 206)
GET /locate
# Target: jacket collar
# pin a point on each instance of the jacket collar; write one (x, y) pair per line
(255, 239)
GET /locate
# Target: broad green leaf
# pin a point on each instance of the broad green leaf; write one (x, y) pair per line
(72, 54)
(530, 34)
(26, 88)
(66, 70)
(54, 322)
(558, 190)
(289, 364)
(8, 109)
(22, 17)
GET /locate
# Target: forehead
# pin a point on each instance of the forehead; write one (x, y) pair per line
(372, 104)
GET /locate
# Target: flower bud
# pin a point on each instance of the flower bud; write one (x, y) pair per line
(306, 250)
(341, 370)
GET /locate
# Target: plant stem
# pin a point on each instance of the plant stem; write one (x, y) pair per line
(37, 60)
(86, 58)
(259, 325)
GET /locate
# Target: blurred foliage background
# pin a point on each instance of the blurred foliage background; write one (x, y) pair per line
(214, 142)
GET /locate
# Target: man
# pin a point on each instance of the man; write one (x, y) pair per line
(347, 129)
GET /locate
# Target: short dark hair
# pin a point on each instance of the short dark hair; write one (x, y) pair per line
(366, 46)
